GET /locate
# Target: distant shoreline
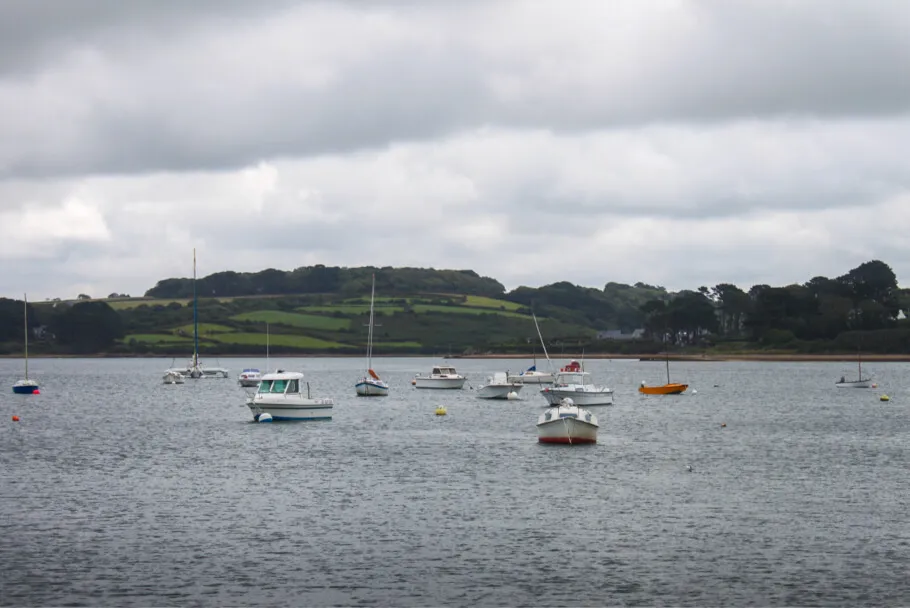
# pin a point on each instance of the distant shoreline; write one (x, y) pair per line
(708, 358)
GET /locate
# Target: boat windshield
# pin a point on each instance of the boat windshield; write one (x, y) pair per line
(292, 387)
(444, 371)
(265, 386)
(572, 378)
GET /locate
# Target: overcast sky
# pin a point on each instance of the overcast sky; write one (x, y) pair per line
(678, 143)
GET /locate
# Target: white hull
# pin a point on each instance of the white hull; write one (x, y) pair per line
(450, 383)
(498, 391)
(578, 394)
(567, 424)
(174, 378)
(291, 408)
(532, 378)
(248, 383)
(367, 388)
(855, 384)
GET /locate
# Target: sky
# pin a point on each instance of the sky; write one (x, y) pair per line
(677, 143)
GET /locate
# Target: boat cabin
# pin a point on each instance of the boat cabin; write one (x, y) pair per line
(564, 378)
(444, 371)
(283, 383)
(573, 366)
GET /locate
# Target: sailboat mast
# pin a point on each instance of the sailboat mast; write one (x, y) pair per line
(266, 346)
(667, 353)
(549, 364)
(25, 316)
(370, 334)
(195, 318)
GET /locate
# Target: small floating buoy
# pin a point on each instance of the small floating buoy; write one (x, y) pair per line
(413, 382)
(264, 417)
(441, 410)
(884, 398)
(723, 425)
(690, 468)
(874, 386)
(36, 392)
(512, 396)
(15, 418)
(694, 391)
(716, 386)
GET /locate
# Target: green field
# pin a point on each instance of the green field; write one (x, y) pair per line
(293, 319)
(396, 345)
(352, 309)
(485, 302)
(465, 310)
(158, 339)
(204, 329)
(277, 340)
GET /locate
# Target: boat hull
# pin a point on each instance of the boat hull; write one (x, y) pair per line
(292, 409)
(25, 387)
(855, 384)
(532, 378)
(567, 431)
(673, 388)
(555, 395)
(371, 388)
(498, 391)
(440, 383)
(248, 383)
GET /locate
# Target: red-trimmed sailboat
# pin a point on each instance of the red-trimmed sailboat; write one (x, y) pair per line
(371, 385)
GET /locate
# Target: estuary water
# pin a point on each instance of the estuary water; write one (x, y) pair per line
(118, 490)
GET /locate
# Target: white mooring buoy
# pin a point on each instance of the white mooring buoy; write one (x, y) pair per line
(264, 417)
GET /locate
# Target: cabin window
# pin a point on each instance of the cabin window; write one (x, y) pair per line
(292, 387)
(278, 386)
(265, 386)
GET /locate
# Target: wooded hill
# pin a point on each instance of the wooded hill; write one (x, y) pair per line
(323, 309)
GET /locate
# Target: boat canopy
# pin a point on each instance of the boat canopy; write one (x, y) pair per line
(573, 378)
(444, 371)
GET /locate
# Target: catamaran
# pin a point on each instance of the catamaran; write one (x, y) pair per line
(194, 368)
(371, 385)
(26, 386)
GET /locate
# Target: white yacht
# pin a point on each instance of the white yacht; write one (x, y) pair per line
(573, 382)
(249, 377)
(498, 386)
(440, 377)
(285, 396)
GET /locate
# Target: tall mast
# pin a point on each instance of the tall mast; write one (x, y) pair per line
(195, 318)
(370, 335)
(549, 364)
(667, 352)
(25, 308)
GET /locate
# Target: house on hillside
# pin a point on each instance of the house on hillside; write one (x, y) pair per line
(618, 334)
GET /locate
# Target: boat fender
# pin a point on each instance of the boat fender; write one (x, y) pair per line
(264, 417)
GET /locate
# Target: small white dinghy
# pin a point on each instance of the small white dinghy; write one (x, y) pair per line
(173, 377)
(498, 386)
(567, 423)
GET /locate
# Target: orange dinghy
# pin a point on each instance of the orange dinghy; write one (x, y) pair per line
(665, 389)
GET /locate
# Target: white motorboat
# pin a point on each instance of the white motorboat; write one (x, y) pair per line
(567, 423)
(573, 382)
(532, 376)
(371, 385)
(285, 396)
(249, 377)
(440, 377)
(173, 377)
(498, 386)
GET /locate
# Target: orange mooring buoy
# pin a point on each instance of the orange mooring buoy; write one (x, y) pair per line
(15, 418)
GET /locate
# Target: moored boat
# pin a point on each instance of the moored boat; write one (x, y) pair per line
(573, 382)
(442, 377)
(567, 423)
(498, 386)
(26, 386)
(670, 388)
(173, 377)
(286, 397)
(371, 385)
(249, 377)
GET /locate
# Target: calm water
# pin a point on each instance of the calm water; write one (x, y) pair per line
(118, 490)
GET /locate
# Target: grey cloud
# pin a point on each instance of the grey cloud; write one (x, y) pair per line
(432, 72)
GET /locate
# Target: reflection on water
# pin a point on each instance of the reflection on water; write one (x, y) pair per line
(119, 490)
